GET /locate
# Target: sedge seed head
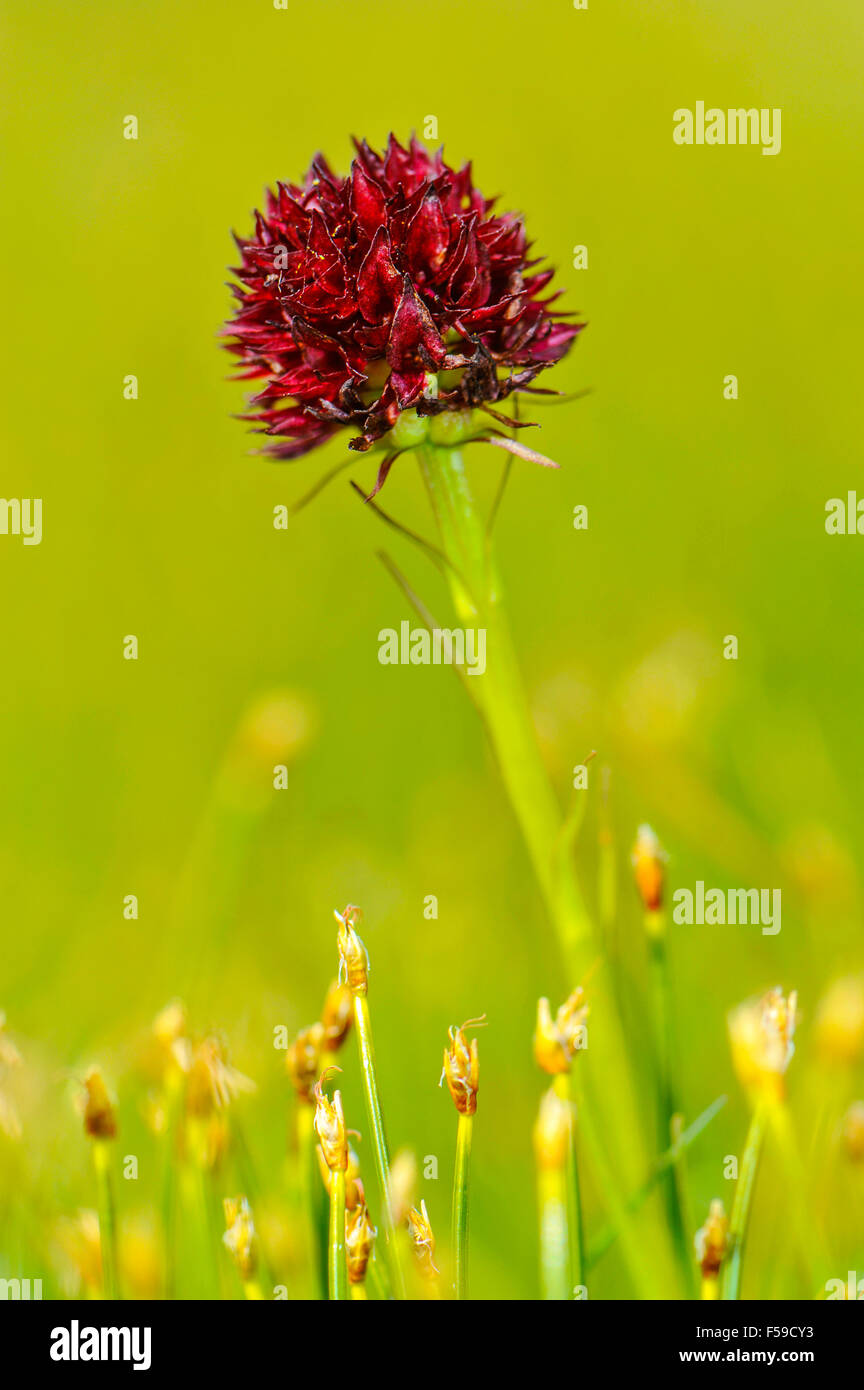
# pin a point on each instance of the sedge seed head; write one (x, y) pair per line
(649, 868)
(422, 1241)
(100, 1116)
(336, 1015)
(556, 1041)
(303, 1061)
(761, 1033)
(712, 1240)
(462, 1067)
(353, 958)
(359, 1239)
(330, 1126)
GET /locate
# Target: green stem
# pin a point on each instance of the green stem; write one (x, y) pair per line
(554, 1240)
(460, 1205)
(337, 1270)
(313, 1197)
(107, 1218)
(741, 1204)
(476, 592)
(667, 1100)
(379, 1139)
(477, 598)
(576, 1234)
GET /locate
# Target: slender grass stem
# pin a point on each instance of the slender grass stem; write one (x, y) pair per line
(107, 1218)
(710, 1287)
(358, 1293)
(667, 1098)
(313, 1198)
(476, 594)
(461, 1174)
(741, 1205)
(337, 1269)
(379, 1139)
(554, 1239)
(575, 1228)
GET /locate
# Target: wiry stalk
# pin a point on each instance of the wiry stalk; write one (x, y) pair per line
(354, 965)
(552, 1150)
(574, 1193)
(741, 1204)
(107, 1218)
(477, 598)
(337, 1270)
(461, 1177)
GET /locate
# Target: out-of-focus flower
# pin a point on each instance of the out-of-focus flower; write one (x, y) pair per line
(556, 1041)
(80, 1251)
(422, 1241)
(839, 1022)
(649, 868)
(761, 1033)
(212, 1083)
(336, 1015)
(357, 292)
(853, 1131)
(462, 1067)
(552, 1131)
(359, 1239)
(140, 1259)
(712, 1241)
(100, 1118)
(240, 1237)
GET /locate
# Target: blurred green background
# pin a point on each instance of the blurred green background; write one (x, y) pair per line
(706, 518)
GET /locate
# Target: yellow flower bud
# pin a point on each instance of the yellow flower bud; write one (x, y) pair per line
(712, 1241)
(761, 1033)
(359, 1239)
(422, 1241)
(353, 960)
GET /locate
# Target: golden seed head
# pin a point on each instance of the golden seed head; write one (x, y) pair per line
(336, 1015)
(330, 1126)
(100, 1118)
(853, 1131)
(353, 958)
(462, 1067)
(761, 1033)
(552, 1131)
(649, 868)
(240, 1237)
(556, 1041)
(359, 1238)
(839, 1022)
(422, 1241)
(712, 1240)
(212, 1083)
(303, 1061)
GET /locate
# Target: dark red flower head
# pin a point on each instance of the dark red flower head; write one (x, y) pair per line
(394, 288)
